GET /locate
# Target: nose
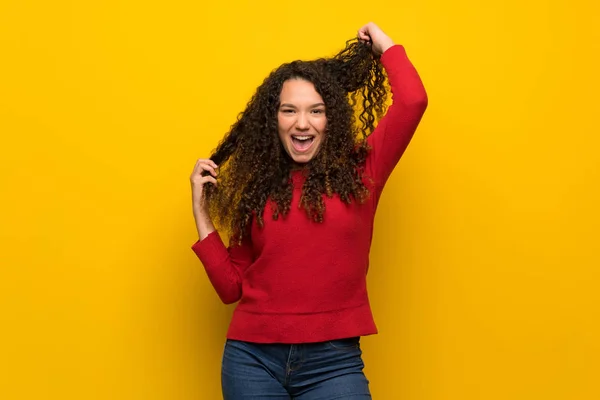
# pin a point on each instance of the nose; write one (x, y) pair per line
(302, 122)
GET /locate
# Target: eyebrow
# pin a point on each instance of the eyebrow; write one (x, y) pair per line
(293, 106)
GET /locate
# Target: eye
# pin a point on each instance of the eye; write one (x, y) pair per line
(287, 111)
(318, 111)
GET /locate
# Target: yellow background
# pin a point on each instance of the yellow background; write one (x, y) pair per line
(484, 276)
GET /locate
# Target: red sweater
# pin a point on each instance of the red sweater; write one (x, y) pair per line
(298, 281)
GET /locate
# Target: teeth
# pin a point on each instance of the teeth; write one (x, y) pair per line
(302, 137)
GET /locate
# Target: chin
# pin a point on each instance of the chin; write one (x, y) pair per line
(302, 159)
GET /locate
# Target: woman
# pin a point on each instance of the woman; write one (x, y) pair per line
(296, 184)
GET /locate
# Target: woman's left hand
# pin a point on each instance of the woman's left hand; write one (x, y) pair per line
(380, 41)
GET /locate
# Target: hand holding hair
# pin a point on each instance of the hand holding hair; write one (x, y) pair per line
(373, 34)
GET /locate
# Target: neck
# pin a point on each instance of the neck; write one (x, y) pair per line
(299, 167)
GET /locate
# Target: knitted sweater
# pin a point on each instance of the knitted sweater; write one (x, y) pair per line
(299, 281)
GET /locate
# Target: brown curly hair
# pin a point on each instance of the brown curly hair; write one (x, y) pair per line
(254, 167)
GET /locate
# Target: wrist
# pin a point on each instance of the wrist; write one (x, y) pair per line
(204, 226)
(202, 217)
(387, 45)
(204, 232)
(200, 210)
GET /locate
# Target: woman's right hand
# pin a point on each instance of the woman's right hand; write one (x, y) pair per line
(198, 180)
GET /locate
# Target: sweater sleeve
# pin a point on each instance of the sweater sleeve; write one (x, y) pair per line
(224, 266)
(396, 128)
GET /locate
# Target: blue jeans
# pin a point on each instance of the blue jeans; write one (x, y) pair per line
(312, 371)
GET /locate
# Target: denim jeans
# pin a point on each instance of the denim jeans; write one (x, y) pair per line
(312, 371)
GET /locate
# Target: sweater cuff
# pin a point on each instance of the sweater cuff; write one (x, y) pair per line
(394, 62)
(391, 50)
(396, 50)
(210, 250)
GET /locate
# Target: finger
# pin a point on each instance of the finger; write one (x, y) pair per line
(365, 38)
(204, 180)
(363, 34)
(198, 165)
(203, 165)
(209, 179)
(210, 169)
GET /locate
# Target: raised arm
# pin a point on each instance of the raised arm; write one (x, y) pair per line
(224, 266)
(409, 102)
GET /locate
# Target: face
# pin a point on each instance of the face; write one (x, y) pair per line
(301, 120)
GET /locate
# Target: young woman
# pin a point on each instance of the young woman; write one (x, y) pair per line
(296, 183)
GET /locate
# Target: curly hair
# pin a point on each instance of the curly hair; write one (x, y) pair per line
(254, 167)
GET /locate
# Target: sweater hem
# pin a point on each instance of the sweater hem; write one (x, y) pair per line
(301, 328)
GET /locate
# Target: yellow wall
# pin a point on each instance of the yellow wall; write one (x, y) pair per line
(484, 276)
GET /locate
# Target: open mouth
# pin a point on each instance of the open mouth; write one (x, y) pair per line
(302, 143)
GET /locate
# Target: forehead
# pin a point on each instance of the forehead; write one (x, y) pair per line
(299, 90)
